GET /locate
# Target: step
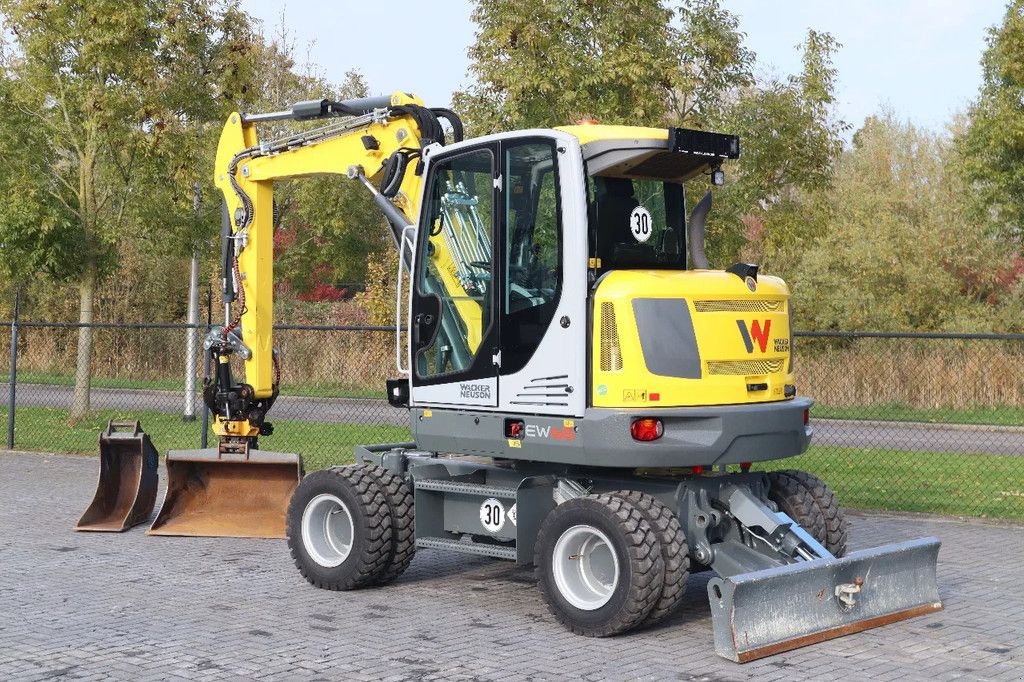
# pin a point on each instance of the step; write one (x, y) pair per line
(463, 488)
(467, 547)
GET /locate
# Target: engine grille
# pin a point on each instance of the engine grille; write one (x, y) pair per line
(611, 351)
(744, 367)
(741, 306)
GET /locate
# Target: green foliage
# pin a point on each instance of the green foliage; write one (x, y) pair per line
(790, 139)
(901, 251)
(550, 63)
(112, 112)
(992, 145)
(712, 61)
(36, 230)
(643, 62)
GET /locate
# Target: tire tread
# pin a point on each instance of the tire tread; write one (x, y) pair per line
(372, 558)
(646, 566)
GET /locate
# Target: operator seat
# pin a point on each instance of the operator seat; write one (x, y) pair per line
(614, 201)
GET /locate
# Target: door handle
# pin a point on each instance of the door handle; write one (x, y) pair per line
(422, 320)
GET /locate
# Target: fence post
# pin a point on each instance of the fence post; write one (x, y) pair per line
(206, 369)
(12, 380)
(190, 341)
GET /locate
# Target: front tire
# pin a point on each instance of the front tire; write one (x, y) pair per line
(339, 528)
(599, 565)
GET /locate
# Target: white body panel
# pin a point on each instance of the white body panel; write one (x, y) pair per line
(475, 393)
(553, 382)
(560, 360)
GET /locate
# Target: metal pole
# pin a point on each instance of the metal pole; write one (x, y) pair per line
(12, 381)
(206, 368)
(193, 318)
(190, 342)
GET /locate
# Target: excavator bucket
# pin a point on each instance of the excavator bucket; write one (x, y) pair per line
(227, 492)
(126, 491)
(767, 612)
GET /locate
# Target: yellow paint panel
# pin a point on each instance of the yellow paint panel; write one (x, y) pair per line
(724, 355)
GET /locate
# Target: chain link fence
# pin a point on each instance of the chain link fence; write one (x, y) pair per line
(908, 422)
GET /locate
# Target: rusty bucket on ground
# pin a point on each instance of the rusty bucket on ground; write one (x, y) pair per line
(126, 491)
(228, 491)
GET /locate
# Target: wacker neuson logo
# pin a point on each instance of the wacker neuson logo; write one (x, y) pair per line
(758, 332)
(475, 391)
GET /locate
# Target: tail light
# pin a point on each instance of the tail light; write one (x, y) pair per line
(807, 416)
(647, 429)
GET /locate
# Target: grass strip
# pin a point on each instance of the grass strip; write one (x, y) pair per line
(1001, 415)
(328, 390)
(46, 429)
(864, 478)
(990, 486)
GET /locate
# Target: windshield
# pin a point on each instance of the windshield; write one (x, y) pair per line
(636, 222)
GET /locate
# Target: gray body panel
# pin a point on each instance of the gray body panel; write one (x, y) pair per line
(705, 436)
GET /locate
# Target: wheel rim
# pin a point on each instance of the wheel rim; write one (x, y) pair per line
(585, 567)
(327, 530)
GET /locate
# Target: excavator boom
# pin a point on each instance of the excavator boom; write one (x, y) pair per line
(236, 489)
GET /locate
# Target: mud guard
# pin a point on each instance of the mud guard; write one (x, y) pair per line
(770, 611)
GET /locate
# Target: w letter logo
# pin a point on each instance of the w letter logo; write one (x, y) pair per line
(757, 333)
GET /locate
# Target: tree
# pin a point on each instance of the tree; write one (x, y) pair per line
(992, 145)
(628, 62)
(102, 81)
(902, 251)
(790, 139)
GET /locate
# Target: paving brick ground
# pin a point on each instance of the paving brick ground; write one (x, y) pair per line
(99, 606)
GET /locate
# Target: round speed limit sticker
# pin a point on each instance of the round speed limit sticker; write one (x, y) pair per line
(492, 515)
(640, 224)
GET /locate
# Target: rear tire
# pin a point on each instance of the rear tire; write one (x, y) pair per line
(674, 552)
(339, 528)
(599, 565)
(403, 523)
(805, 497)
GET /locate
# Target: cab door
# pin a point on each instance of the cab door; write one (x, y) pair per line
(454, 329)
(543, 315)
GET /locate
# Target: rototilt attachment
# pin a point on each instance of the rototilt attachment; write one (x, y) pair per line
(770, 611)
(126, 491)
(233, 490)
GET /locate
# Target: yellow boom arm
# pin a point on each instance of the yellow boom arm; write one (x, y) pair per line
(357, 146)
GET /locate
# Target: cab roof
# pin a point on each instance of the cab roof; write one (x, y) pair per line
(669, 154)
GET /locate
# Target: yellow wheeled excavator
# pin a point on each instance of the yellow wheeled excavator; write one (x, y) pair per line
(586, 395)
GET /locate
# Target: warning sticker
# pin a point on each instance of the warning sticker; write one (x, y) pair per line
(512, 514)
(640, 224)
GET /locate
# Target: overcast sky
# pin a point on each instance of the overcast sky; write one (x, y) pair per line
(920, 57)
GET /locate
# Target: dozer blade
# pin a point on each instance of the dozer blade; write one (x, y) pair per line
(126, 491)
(213, 494)
(768, 612)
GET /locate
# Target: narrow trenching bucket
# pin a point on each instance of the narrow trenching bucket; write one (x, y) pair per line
(126, 491)
(221, 493)
(768, 612)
